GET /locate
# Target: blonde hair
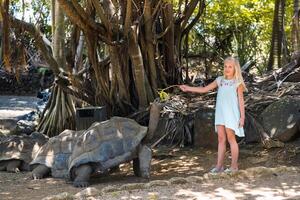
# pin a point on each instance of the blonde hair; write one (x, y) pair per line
(237, 71)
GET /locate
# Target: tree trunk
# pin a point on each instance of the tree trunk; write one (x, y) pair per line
(296, 30)
(60, 111)
(138, 68)
(5, 34)
(275, 59)
(169, 45)
(131, 48)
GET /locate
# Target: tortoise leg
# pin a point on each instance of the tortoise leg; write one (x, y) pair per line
(25, 166)
(136, 167)
(114, 169)
(82, 175)
(3, 165)
(142, 164)
(13, 166)
(40, 172)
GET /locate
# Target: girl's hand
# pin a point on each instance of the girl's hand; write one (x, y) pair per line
(184, 88)
(241, 122)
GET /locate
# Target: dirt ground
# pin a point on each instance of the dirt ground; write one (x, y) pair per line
(13, 107)
(177, 163)
(283, 186)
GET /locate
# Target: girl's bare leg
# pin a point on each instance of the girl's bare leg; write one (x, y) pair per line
(221, 146)
(234, 148)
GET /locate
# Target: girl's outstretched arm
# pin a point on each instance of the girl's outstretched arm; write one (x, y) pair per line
(211, 86)
(240, 90)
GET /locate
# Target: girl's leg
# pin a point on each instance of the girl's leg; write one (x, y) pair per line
(221, 145)
(234, 148)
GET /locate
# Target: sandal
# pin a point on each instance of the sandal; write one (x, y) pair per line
(230, 170)
(216, 170)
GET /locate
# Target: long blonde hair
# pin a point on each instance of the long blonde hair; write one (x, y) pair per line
(237, 71)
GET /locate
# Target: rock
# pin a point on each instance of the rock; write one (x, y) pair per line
(281, 119)
(256, 160)
(29, 82)
(108, 189)
(209, 176)
(88, 192)
(26, 124)
(156, 183)
(195, 179)
(153, 196)
(61, 196)
(44, 95)
(259, 172)
(132, 186)
(26, 127)
(204, 130)
(178, 180)
(250, 128)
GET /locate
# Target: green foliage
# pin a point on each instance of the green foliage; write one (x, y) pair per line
(37, 11)
(41, 11)
(241, 28)
(228, 27)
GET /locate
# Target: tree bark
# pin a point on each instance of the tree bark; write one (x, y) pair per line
(276, 52)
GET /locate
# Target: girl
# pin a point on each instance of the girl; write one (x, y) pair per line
(229, 113)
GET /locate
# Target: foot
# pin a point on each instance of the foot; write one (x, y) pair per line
(40, 171)
(82, 173)
(80, 184)
(13, 166)
(231, 170)
(216, 170)
(13, 170)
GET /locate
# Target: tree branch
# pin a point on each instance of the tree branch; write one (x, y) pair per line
(188, 12)
(195, 20)
(36, 34)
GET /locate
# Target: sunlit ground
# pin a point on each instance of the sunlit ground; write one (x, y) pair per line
(178, 163)
(285, 186)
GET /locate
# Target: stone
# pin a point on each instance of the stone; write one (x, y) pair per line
(108, 189)
(61, 196)
(25, 127)
(281, 119)
(256, 160)
(194, 179)
(204, 132)
(133, 186)
(88, 192)
(178, 180)
(156, 183)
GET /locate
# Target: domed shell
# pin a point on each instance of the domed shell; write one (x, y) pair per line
(21, 147)
(56, 152)
(107, 143)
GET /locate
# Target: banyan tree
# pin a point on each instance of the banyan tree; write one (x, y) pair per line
(111, 53)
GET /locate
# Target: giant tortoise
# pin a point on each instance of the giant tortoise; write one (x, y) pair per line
(53, 156)
(106, 145)
(17, 151)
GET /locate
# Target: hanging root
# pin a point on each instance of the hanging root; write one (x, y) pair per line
(59, 113)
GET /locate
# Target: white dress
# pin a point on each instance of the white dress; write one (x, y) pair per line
(227, 107)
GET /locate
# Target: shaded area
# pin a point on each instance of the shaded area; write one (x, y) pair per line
(284, 186)
(12, 108)
(178, 162)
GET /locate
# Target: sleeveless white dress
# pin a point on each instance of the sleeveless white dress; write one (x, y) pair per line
(227, 107)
